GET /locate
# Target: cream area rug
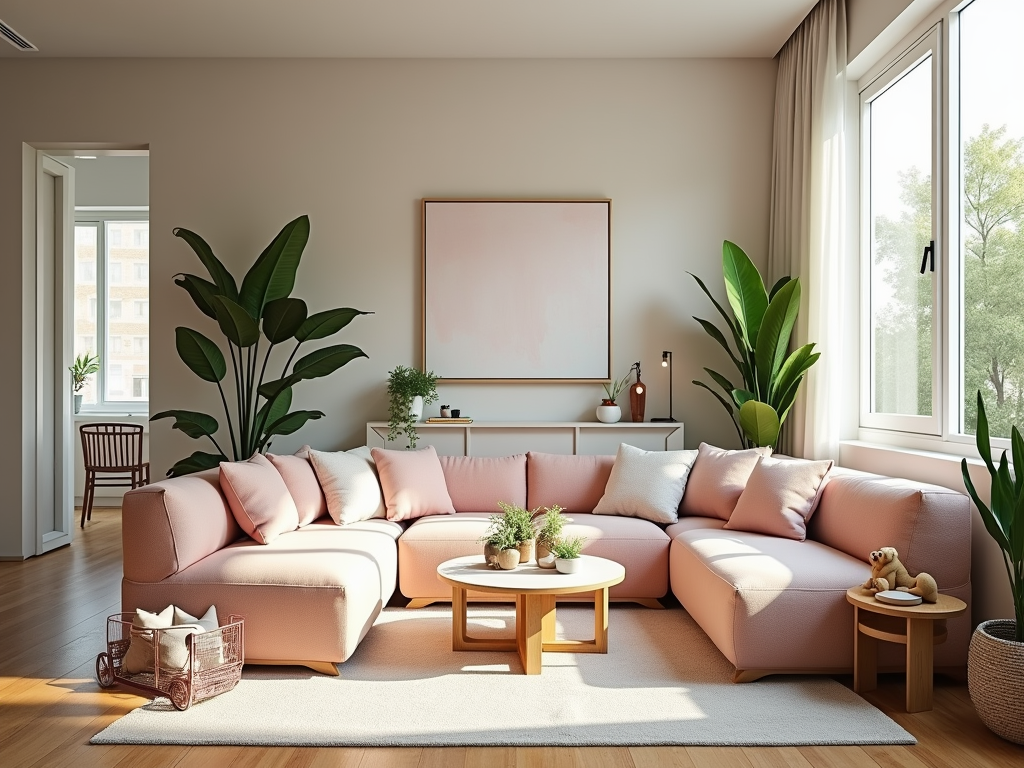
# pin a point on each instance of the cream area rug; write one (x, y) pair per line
(662, 682)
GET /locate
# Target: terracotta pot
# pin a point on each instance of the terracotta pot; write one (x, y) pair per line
(568, 566)
(491, 554)
(995, 678)
(508, 559)
(545, 557)
(526, 551)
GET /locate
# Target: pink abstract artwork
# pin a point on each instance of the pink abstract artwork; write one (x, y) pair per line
(517, 290)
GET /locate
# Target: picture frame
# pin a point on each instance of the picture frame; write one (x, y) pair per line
(517, 290)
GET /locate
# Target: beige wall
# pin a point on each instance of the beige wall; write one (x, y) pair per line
(865, 20)
(239, 147)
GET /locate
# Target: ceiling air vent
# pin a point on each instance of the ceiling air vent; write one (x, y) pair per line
(15, 39)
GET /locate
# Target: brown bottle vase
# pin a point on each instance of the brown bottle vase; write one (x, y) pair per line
(637, 399)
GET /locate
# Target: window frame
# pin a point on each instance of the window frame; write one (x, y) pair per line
(98, 216)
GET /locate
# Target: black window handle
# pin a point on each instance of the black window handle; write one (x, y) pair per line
(929, 256)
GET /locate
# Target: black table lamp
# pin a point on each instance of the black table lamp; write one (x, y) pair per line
(666, 362)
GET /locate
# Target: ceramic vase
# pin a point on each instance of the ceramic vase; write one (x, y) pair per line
(416, 408)
(568, 565)
(526, 550)
(78, 403)
(508, 559)
(608, 414)
(545, 557)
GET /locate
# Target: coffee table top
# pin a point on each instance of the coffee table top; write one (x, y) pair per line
(471, 571)
(946, 607)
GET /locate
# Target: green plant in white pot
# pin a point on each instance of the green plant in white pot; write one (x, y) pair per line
(995, 664)
(567, 554)
(409, 389)
(549, 523)
(85, 366)
(760, 326)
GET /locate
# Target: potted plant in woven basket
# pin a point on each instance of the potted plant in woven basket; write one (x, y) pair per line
(551, 523)
(513, 527)
(995, 664)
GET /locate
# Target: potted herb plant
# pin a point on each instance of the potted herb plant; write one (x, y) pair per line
(501, 543)
(567, 554)
(409, 389)
(550, 530)
(519, 524)
(608, 412)
(995, 663)
(85, 365)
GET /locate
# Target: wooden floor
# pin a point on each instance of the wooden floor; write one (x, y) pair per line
(52, 611)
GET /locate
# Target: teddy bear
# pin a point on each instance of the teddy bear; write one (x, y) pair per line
(887, 572)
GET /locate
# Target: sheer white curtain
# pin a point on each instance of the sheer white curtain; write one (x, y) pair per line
(807, 216)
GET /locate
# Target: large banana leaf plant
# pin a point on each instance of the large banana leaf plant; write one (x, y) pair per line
(760, 327)
(259, 408)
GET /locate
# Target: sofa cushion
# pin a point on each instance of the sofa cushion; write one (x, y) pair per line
(717, 479)
(646, 484)
(575, 483)
(476, 484)
(413, 483)
(693, 523)
(780, 497)
(298, 475)
(350, 483)
(258, 498)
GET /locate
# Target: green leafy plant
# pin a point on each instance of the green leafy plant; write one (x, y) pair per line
(614, 388)
(761, 325)
(403, 385)
(551, 524)
(1004, 519)
(504, 531)
(261, 409)
(85, 366)
(569, 549)
(518, 520)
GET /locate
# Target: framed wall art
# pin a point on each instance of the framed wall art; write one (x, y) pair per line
(517, 290)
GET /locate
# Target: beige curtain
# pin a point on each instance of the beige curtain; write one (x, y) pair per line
(807, 214)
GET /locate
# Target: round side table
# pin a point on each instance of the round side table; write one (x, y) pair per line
(919, 627)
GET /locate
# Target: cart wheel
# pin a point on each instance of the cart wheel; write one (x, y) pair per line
(179, 695)
(104, 670)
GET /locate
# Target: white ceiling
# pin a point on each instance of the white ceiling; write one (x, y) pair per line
(403, 28)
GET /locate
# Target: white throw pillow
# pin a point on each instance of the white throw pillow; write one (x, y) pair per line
(139, 657)
(212, 649)
(646, 484)
(350, 484)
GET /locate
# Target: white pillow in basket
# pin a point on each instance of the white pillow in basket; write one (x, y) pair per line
(213, 655)
(139, 657)
(646, 484)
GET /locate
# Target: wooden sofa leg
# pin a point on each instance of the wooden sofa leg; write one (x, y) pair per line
(647, 602)
(748, 675)
(421, 602)
(323, 667)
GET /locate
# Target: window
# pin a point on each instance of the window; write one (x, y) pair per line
(943, 192)
(112, 305)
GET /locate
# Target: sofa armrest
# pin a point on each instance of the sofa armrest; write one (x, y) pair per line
(168, 526)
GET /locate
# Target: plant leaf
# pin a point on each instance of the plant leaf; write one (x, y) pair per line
(201, 355)
(292, 422)
(778, 284)
(740, 396)
(720, 380)
(197, 462)
(733, 327)
(221, 277)
(982, 438)
(773, 338)
(760, 422)
(713, 331)
(326, 361)
(202, 292)
(282, 318)
(275, 408)
(986, 514)
(725, 403)
(1017, 450)
(745, 291)
(192, 423)
(798, 362)
(235, 322)
(324, 324)
(273, 275)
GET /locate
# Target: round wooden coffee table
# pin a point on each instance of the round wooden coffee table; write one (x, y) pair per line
(919, 627)
(535, 590)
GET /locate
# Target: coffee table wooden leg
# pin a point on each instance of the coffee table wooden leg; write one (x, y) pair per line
(531, 643)
(601, 620)
(547, 618)
(920, 652)
(865, 658)
(459, 619)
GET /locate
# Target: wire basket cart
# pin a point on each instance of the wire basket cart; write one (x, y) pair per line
(213, 665)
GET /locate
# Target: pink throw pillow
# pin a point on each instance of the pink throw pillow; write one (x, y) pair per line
(413, 483)
(258, 498)
(475, 484)
(575, 483)
(780, 497)
(298, 475)
(717, 479)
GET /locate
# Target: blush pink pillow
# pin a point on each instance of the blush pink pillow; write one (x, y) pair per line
(413, 483)
(717, 480)
(575, 483)
(780, 497)
(475, 484)
(299, 477)
(258, 498)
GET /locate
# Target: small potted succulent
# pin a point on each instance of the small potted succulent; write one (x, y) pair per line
(409, 389)
(608, 412)
(85, 366)
(567, 554)
(549, 531)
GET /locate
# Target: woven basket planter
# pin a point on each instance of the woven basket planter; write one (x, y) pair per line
(995, 677)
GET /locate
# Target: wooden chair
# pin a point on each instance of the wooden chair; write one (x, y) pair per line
(111, 449)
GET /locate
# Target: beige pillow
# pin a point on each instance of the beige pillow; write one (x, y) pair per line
(139, 657)
(646, 484)
(350, 484)
(413, 483)
(717, 480)
(211, 650)
(780, 497)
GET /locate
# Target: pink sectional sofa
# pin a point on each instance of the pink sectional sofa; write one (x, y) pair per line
(770, 605)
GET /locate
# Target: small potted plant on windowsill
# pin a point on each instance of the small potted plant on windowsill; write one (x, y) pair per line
(85, 365)
(550, 530)
(567, 554)
(409, 389)
(608, 412)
